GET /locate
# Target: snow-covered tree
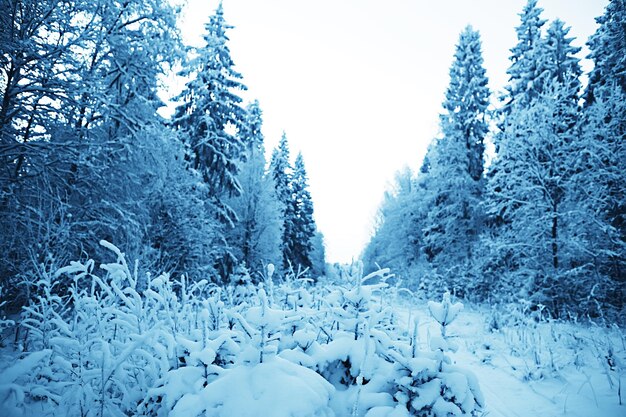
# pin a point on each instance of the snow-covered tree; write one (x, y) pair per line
(292, 192)
(526, 70)
(456, 163)
(256, 236)
(530, 179)
(210, 111)
(301, 241)
(318, 255)
(607, 45)
(598, 208)
(207, 120)
(395, 242)
(78, 120)
(281, 171)
(598, 211)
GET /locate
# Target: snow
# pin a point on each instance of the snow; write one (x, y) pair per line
(277, 388)
(347, 350)
(513, 384)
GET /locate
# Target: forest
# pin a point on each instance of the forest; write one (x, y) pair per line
(86, 155)
(543, 223)
(157, 266)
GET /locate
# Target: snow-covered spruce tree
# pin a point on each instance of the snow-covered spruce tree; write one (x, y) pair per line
(207, 120)
(526, 59)
(281, 172)
(318, 255)
(304, 228)
(530, 179)
(256, 237)
(210, 109)
(600, 171)
(454, 196)
(607, 45)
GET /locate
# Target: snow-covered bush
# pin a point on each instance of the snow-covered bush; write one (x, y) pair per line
(281, 347)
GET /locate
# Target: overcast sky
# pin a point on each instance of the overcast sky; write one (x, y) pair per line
(357, 85)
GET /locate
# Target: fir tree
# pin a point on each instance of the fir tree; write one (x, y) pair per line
(250, 131)
(467, 99)
(207, 120)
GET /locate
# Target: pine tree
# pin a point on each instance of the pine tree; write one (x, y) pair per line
(453, 220)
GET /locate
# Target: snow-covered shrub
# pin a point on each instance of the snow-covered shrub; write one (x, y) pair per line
(20, 383)
(280, 347)
(427, 383)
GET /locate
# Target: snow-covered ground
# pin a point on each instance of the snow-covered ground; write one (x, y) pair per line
(285, 349)
(530, 368)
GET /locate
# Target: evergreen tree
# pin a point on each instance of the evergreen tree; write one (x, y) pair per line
(251, 130)
(304, 229)
(211, 110)
(281, 172)
(600, 169)
(395, 243)
(453, 221)
(526, 58)
(607, 47)
(207, 120)
(531, 178)
(318, 255)
(256, 237)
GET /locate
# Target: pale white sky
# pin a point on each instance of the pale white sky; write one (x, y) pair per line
(358, 85)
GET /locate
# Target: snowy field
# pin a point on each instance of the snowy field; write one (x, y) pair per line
(358, 347)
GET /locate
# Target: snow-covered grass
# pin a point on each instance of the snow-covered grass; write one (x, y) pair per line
(285, 347)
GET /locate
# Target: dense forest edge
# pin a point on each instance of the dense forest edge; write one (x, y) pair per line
(544, 223)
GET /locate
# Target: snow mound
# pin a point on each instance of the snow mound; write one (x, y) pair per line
(277, 388)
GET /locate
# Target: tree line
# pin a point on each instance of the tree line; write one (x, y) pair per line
(85, 155)
(544, 222)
